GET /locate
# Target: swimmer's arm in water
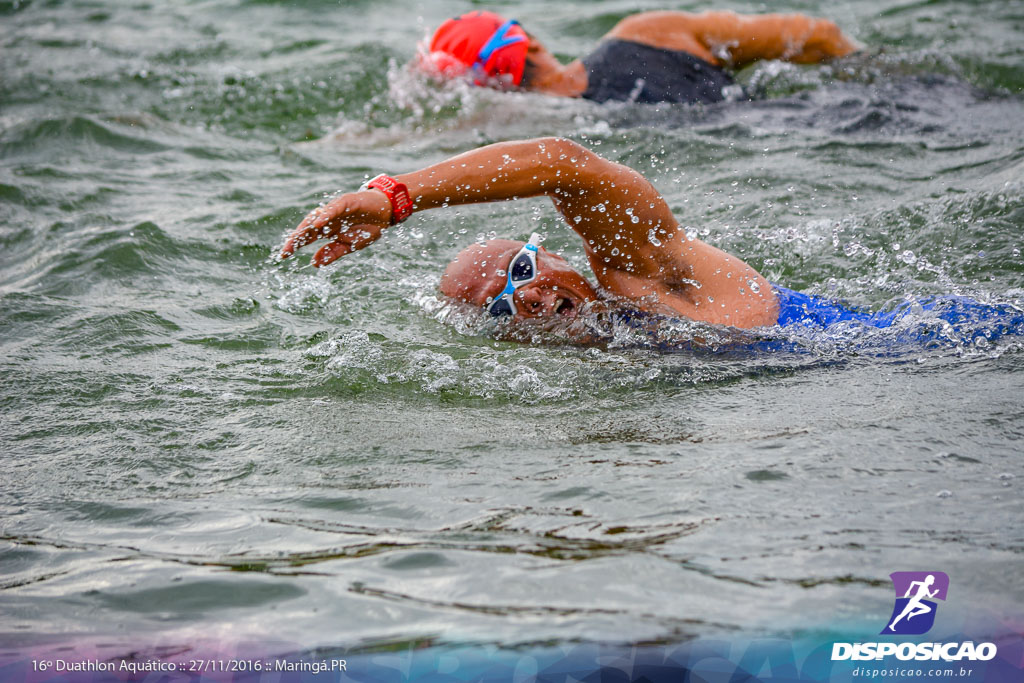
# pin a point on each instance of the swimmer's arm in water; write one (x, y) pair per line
(738, 39)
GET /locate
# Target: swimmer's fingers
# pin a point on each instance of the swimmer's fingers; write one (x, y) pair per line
(353, 239)
(323, 221)
(308, 231)
(367, 208)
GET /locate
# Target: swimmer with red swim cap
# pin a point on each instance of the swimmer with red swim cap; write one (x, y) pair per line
(646, 57)
(489, 46)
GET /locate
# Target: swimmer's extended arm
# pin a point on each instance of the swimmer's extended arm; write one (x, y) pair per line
(611, 206)
(507, 170)
(792, 37)
(739, 39)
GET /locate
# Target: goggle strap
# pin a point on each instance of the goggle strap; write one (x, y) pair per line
(497, 41)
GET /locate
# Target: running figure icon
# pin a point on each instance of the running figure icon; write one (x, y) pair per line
(915, 607)
(916, 593)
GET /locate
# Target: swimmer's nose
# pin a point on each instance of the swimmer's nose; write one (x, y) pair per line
(537, 301)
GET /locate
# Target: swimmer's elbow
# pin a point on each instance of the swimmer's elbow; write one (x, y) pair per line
(562, 151)
(570, 163)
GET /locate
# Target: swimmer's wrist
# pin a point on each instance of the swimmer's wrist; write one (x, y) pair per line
(397, 194)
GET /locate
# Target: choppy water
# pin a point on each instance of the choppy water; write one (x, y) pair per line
(200, 442)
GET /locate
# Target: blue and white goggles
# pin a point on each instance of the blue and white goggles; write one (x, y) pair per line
(522, 270)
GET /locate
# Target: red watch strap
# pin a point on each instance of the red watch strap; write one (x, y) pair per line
(397, 193)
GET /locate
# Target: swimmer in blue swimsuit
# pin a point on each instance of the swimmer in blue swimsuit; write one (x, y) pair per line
(640, 255)
(647, 57)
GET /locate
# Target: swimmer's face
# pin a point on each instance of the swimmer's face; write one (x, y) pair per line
(478, 274)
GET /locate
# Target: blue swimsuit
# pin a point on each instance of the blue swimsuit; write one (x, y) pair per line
(992, 320)
(804, 318)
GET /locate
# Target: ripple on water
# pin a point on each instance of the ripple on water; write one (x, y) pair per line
(124, 333)
(72, 132)
(191, 599)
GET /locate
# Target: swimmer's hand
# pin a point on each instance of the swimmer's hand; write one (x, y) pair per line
(352, 221)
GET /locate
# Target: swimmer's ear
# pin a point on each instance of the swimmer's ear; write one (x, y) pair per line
(534, 46)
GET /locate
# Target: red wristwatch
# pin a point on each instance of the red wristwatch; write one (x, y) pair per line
(396, 192)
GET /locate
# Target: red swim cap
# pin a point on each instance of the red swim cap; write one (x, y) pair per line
(458, 44)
